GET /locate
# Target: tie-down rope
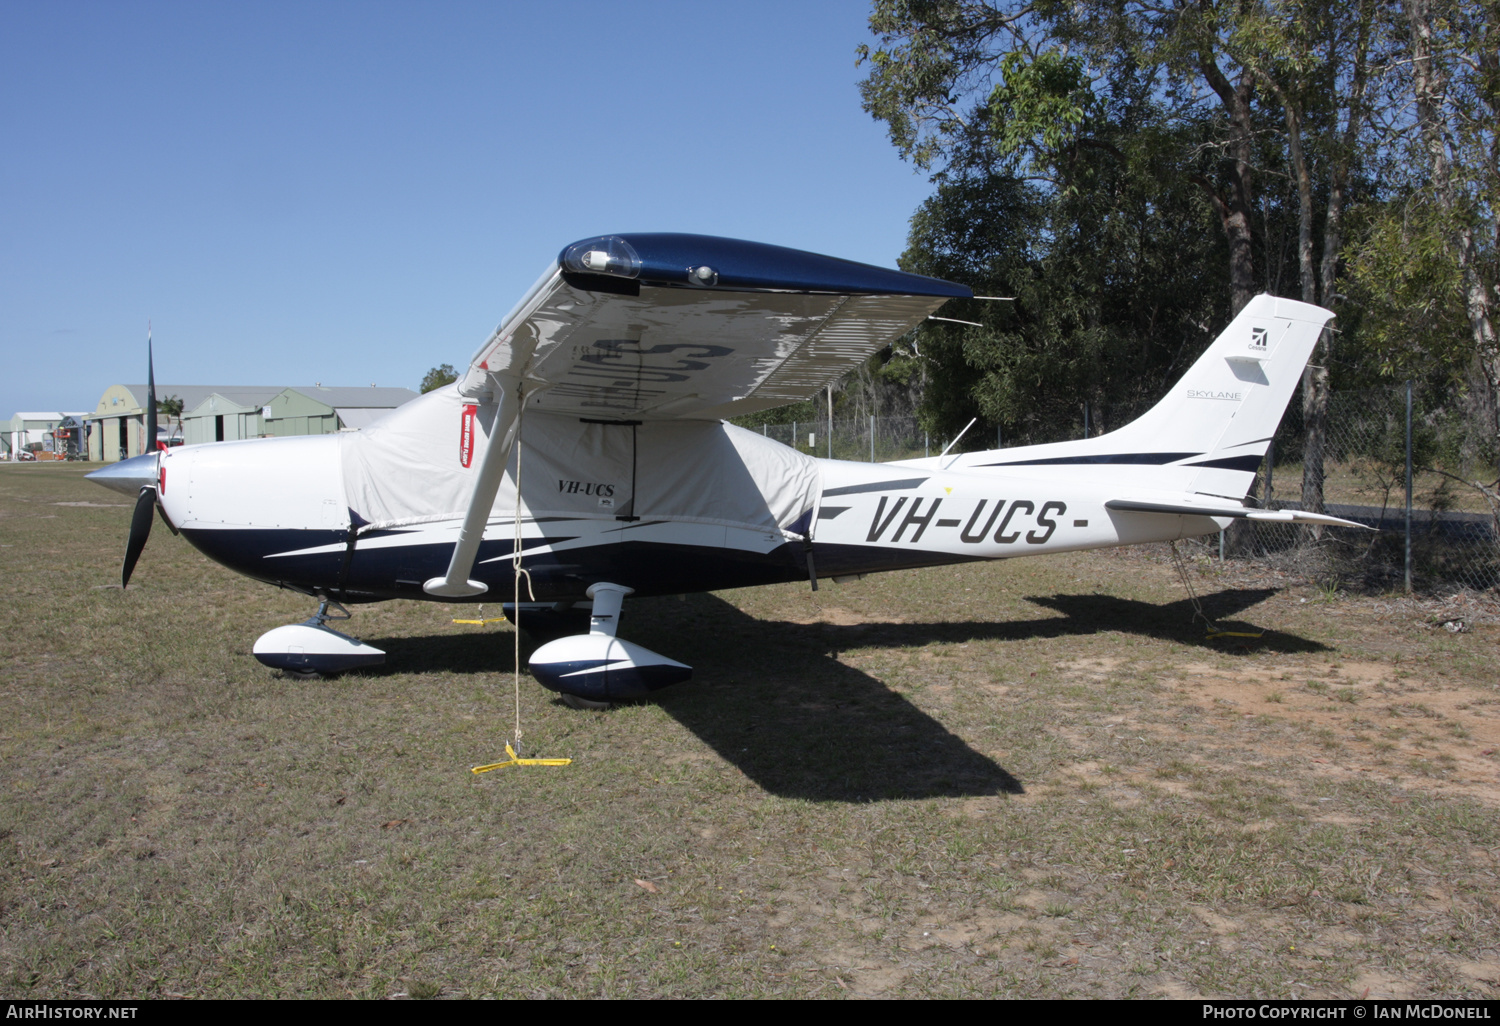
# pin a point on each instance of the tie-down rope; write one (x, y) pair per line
(518, 572)
(1214, 630)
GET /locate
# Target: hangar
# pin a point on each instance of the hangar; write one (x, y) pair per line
(225, 415)
(38, 431)
(222, 413)
(321, 411)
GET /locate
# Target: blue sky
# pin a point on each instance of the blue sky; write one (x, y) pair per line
(355, 192)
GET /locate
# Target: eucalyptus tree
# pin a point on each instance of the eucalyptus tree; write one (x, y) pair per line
(1455, 84)
(1233, 89)
(1113, 289)
(437, 377)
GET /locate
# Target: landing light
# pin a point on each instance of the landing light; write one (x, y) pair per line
(607, 254)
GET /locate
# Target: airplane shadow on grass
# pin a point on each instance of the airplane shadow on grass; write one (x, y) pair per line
(772, 698)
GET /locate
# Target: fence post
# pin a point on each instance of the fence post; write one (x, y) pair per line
(1085, 418)
(764, 430)
(1408, 486)
(872, 438)
(926, 444)
(830, 421)
(794, 437)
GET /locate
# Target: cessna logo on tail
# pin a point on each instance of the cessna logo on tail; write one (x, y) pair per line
(1258, 339)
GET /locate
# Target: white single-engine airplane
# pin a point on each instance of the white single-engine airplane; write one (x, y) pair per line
(589, 431)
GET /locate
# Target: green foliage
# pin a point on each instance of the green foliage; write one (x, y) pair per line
(1117, 287)
(437, 377)
(172, 407)
(1402, 274)
(1042, 103)
(1180, 155)
(809, 411)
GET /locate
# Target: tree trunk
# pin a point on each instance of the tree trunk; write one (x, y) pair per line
(1480, 451)
(1315, 389)
(1315, 394)
(1430, 86)
(1235, 208)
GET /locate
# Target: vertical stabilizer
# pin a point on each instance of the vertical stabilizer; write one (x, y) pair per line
(1210, 431)
(1229, 403)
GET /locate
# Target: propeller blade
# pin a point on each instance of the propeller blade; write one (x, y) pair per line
(140, 530)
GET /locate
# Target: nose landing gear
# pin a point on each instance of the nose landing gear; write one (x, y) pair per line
(312, 648)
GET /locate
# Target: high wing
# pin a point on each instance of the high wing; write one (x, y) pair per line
(665, 326)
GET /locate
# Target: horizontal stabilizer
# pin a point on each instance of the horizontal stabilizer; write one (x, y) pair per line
(1276, 516)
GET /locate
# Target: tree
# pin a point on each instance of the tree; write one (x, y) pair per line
(1227, 91)
(1455, 77)
(1314, 59)
(968, 85)
(1116, 287)
(1421, 262)
(172, 407)
(437, 377)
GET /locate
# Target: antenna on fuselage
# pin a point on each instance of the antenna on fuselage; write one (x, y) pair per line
(957, 437)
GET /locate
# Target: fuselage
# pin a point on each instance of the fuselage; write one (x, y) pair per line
(668, 503)
(278, 510)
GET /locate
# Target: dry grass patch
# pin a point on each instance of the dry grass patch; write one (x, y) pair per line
(1033, 778)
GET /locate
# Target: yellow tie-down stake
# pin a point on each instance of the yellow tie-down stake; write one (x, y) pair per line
(516, 760)
(483, 620)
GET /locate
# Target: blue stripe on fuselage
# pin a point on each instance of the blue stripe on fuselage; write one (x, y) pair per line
(651, 568)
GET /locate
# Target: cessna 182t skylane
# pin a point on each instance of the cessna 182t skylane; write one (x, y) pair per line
(601, 398)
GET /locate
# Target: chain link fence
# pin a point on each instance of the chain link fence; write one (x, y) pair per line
(873, 439)
(1450, 539)
(1447, 535)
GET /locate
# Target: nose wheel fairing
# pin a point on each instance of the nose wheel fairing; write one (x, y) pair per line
(314, 647)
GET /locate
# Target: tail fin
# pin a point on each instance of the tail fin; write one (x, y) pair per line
(1210, 431)
(1230, 402)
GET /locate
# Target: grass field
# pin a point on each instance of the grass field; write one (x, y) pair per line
(1023, 779)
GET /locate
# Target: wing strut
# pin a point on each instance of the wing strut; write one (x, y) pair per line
(456, 583)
